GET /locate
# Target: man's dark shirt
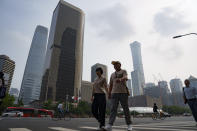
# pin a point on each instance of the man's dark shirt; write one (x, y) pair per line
(155, 108)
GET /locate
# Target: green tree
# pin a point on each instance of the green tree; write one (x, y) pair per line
(176, 110)
(48, 105)
(20, 103)
(7, 102)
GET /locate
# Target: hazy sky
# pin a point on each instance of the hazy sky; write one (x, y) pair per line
(110, 26)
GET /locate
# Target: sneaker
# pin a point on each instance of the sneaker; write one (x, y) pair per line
(129, 128)
(108, 127)
(102, 128)
(98, 128)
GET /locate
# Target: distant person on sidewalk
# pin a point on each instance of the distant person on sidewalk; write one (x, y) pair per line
(2, 87)
(118, 92)
(190, 97)
(99, 99)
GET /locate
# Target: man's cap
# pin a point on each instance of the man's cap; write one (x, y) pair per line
(115, 62)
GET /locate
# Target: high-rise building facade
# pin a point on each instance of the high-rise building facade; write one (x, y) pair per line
(14, 92)
(138, 67)
(93, 71)
(164, 85)
(7, 66)
(86, 91)
(136, 85)
(64, 58)
(193, 81)
(129, 86)
(32, 78)
(176, 86)
(149, 85)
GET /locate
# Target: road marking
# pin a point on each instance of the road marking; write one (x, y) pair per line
(157, 129)
(61, 129)
(94, 128)
(19, 129)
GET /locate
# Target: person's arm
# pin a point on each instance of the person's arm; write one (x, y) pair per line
(92, 98)
(125, 76)
(110, 87)
(184, 97)
(105, 86)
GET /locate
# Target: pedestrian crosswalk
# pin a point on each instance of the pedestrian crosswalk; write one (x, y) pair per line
(164, 126)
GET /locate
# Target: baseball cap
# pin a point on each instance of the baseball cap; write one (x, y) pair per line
(115, 62)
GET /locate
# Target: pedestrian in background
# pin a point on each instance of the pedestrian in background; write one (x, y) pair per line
(190, 97)
(99, 98)
(2, 87)
(118, 92)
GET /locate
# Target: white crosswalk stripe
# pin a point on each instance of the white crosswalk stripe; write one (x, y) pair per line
(19, 129)
(61, 129)
(164, 126)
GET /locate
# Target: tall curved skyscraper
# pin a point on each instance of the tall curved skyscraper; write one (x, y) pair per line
(64, 59)
(32, 78)
(138, 80)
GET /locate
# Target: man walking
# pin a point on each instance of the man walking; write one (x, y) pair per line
(190, 97)
(118, 92)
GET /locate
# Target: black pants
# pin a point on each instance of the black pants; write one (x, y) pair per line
(193, 106)
(99, 108)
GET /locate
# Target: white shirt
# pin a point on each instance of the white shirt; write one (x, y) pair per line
(60, 106)
(190, 92)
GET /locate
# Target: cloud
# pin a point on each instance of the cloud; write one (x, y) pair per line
(167, 50)
(169, 21)
(112, 23)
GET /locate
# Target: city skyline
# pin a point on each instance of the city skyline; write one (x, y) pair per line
(161, 53)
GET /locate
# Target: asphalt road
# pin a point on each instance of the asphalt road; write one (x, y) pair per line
(90, 124)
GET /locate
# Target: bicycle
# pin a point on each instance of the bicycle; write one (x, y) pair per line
(156, 116)
(65, 115)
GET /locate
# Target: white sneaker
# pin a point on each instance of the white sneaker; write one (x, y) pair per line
(108, 127)
(129, 128)
(98, 128)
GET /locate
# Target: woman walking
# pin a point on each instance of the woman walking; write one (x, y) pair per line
(99, 98)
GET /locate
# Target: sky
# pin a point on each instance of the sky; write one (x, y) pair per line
(110, 27)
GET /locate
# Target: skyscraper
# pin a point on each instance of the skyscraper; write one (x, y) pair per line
(63, 65)
(32, 78)
(136, 85)
(138, 67)
(93, 71)
(86, 91)
(7, 66)
(164, 85)
(176, 85)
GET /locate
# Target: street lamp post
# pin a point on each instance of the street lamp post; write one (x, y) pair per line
(178, 36)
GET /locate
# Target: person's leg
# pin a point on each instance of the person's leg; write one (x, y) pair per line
(195, 110)
(114, 107)
(102, 110)
(95, 108)
(125, 106)
(192, 107)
